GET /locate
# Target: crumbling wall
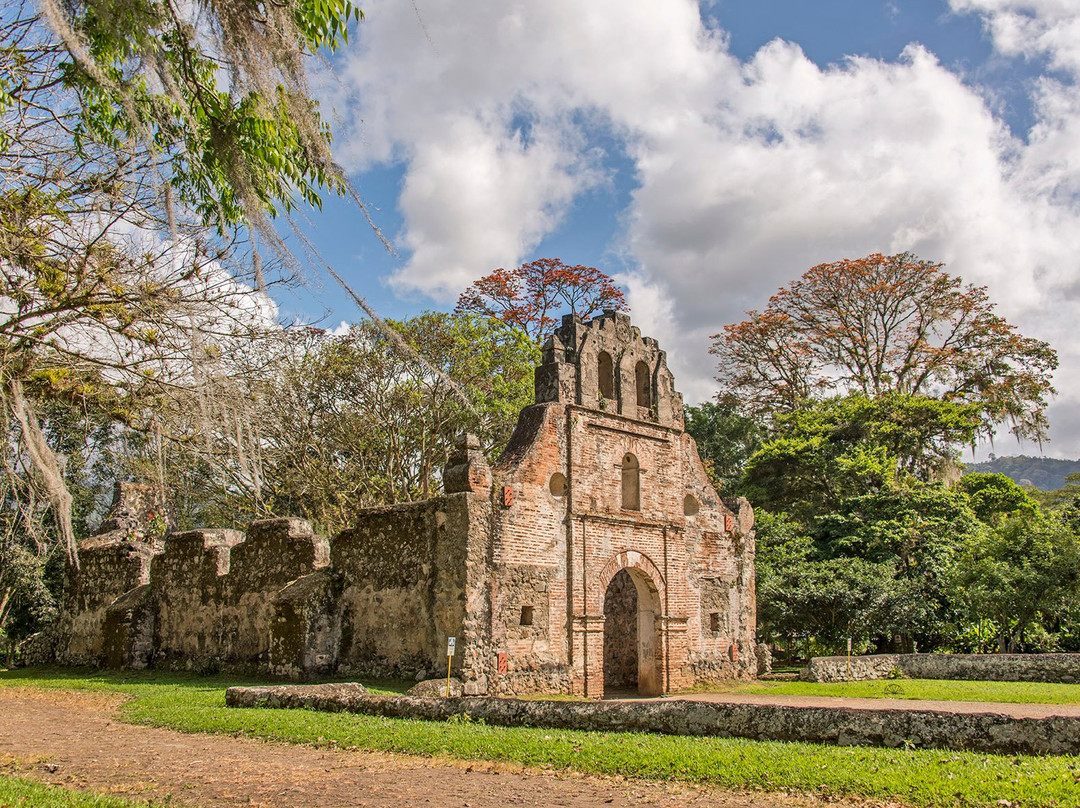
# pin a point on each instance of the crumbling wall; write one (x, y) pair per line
(114, 561)
(106, 571)
(408, 574)
(212, 591)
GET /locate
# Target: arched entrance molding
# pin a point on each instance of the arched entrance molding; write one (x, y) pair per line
(649, 584)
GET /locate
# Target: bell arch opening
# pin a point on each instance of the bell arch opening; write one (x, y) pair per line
(605, 376)
(641, 379)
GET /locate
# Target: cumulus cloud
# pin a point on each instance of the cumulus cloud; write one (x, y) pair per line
(745, 174)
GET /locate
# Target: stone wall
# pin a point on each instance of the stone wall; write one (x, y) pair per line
(409, 575)
(977, 732)
(207, 602)
(979, 667)
(106, 571)
(112, 563)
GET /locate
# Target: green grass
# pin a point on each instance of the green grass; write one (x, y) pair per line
(931, 689)
(18, 791)
(915, 777)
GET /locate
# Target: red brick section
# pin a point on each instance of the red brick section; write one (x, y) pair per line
(692, 566)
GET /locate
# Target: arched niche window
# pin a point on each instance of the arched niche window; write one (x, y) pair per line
(641, 377)
(605, 372)
(631, 483)
(690, 505)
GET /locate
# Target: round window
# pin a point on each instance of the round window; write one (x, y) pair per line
(557, 484)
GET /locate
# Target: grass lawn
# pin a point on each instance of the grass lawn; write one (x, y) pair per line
(19, 791)
(931, 689)
(915, 777)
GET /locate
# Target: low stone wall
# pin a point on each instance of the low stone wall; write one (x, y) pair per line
(979, 667)
(857, 669)
(979, 732)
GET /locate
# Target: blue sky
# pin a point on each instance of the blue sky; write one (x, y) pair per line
(706, 154)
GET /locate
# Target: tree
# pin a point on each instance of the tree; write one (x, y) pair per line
(807, 600)
(725, 438)
(528, 297)
(851, 445)
(885, 324)
(216, 92)
(1026, 575)
(127, 129)
(856, 477)
(321, 425)
(994, 498)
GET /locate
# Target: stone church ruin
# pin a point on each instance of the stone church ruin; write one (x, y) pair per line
(593, 555)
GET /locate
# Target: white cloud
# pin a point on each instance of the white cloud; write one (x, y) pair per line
(747, 174)
(479, 198)
(1031, 28)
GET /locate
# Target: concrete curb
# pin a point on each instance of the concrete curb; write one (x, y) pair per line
(978, 732)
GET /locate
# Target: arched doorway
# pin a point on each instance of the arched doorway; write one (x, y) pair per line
(631, 607)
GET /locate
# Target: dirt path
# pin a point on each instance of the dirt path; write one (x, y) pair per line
(72, 739)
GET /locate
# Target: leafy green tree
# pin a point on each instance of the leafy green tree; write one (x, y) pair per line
(858, 478)
(812, 602)
(725, 439)
(918, 530)
(994, 497)
(847, 446)
(1026, 575)
(217, 92)
(128, 128)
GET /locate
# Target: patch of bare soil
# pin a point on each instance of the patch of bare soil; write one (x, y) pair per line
(73, 740)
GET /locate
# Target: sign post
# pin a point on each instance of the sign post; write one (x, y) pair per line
(450, 643)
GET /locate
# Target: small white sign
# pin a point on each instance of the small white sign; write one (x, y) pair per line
(451, 643)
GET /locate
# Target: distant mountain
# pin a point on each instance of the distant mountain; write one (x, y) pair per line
(1045, 473)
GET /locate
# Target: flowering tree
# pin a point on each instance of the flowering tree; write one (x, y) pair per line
(529, 297)
(887, 324)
